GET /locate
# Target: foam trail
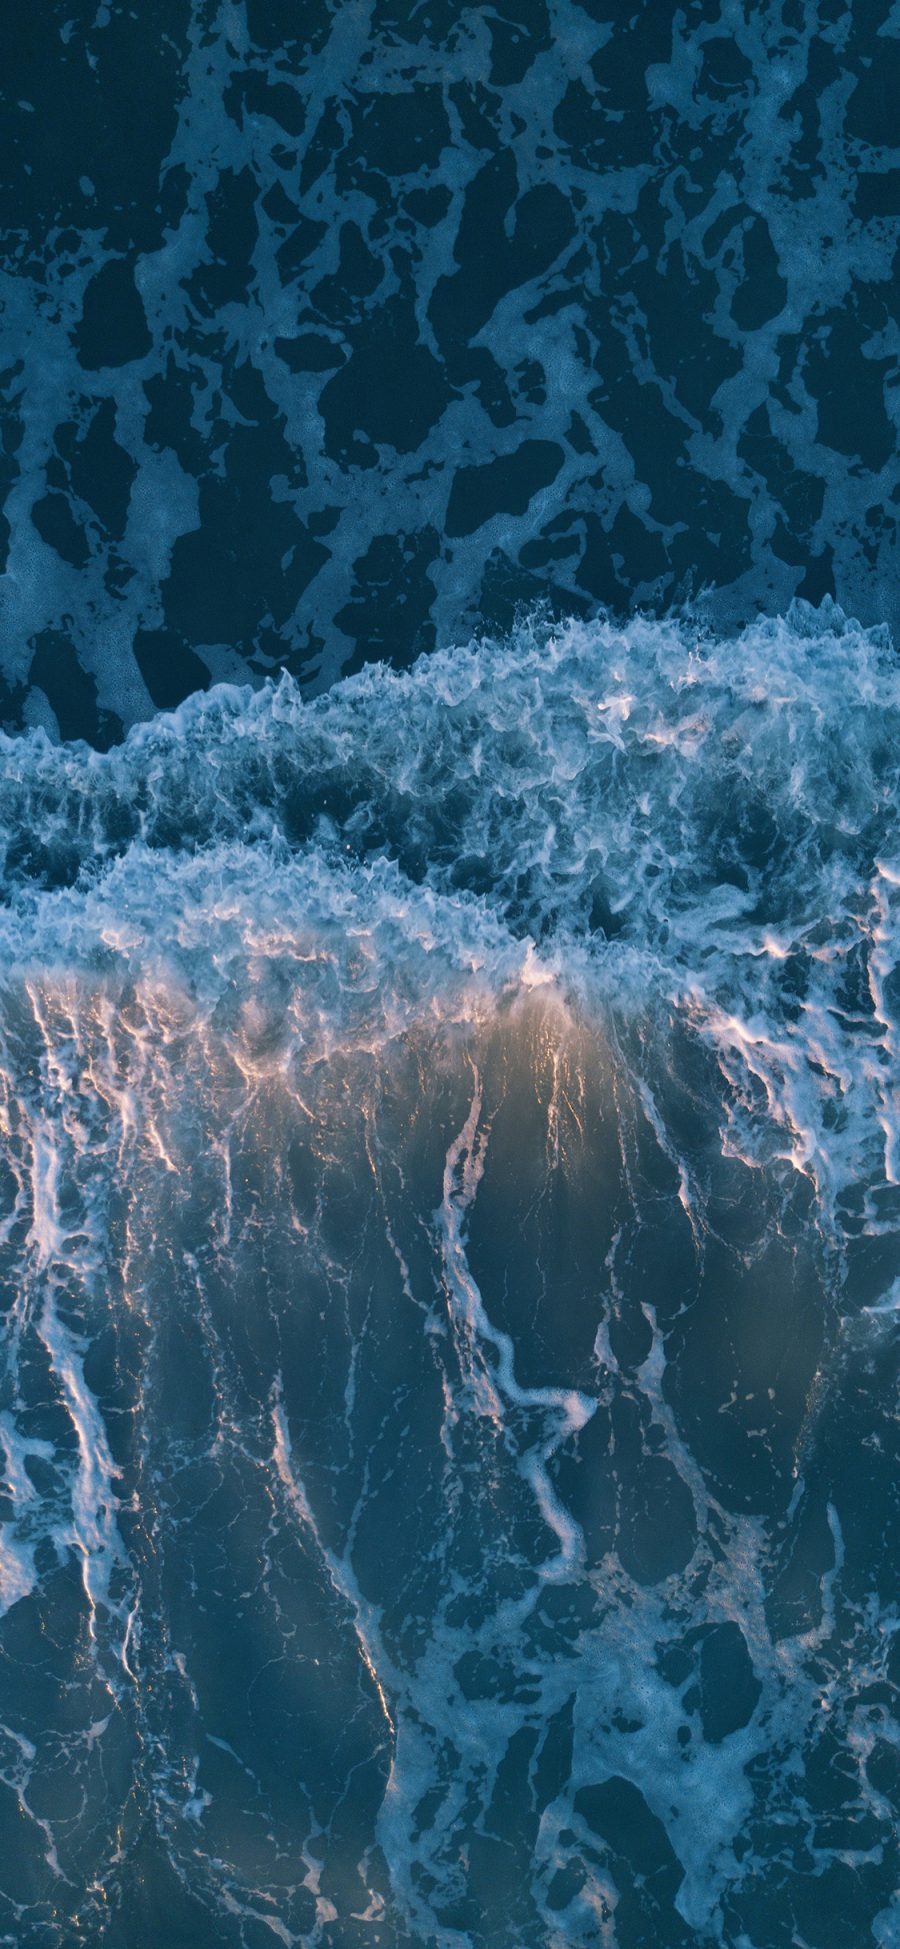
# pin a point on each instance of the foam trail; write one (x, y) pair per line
(463, 1171)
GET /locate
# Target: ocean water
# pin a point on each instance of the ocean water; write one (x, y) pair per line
(449, 993)
(334, 330)
(450, 1256)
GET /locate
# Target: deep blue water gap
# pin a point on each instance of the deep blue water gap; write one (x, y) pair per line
(332, 333)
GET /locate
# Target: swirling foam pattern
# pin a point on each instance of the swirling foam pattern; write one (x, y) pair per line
(334, 331)
(450, 1254)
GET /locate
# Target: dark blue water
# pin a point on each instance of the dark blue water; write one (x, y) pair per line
(332, 332)
(449, 996)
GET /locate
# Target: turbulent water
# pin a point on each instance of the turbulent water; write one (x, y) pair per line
(451, 1260)
(333, 329)
(449, 1117)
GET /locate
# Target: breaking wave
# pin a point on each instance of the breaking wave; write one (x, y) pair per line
(449, 1244)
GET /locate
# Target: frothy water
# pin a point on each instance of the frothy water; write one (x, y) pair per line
(450, 1244)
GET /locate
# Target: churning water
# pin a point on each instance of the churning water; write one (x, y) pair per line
(450, 1241)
